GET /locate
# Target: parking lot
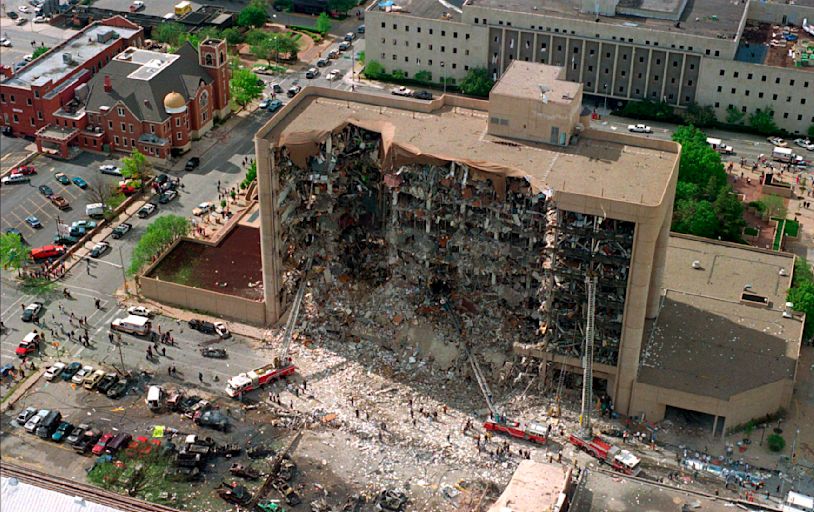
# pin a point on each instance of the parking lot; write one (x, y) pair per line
(23, 200)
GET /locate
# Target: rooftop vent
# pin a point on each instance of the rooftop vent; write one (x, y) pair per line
(108, 84)
(696, 265)
(106, 36)
(67, 58)
(753, 299)
(783, 272)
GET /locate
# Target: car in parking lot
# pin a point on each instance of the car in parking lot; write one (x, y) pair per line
(344, 45)
(361, 29)
(99, 249)
(192, 163)
(805, 143)
(79, 377)
(23, 8)
(92, 380)
(65, 239)
(110, 169)
(34, 421)
(79, 182)
(312, 73)
(41, 19)
(60, 202)
(54, 370)
(140, 311)
(86, 441)
(334, 74)
(293, 90)
(639, 128)
(333, 54)
(15, 231)
(31, 343)
(147, 210)
(62, 178)
(321, 63)
(274, 105)
(25, 415)
(33, 221)
(263, 103)
(20, 22)
(46, 190)
(13, 15)
(101, 444)
(350, 36)
(276, 88)
(14, 179)
(121, 230)
(26, 170)
(84, 224)
(70, 370)
(76, 433)
(203, 208)
(119, 389)
(777, 141)
(402, 91)
(422, 95)
(107, 382)
(62, 431)
(31, 313)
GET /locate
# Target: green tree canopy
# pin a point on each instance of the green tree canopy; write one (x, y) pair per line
(734, 116)
(39, 51)
(253, 15)
(801, 294)
(699, 162)
(762, 120)
(700, 116)
(776, 442)
(773, 205)
(162, 232)
(323, 23)
(729, 210)
(135, 166)
(244, 87)
(232, 35)
(477, 82)
(168, 33)
(374, 70)
(341, 6)
(696, 218)
(423, 76)
(256, 35)
(285, 44)
(263, 48)
(13, 251)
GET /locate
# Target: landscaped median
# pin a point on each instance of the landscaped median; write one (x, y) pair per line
(784, 228)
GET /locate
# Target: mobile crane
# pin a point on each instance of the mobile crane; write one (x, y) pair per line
(282, 366)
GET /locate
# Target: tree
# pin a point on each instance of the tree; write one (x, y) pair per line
(341, 6)
(100, 190)
(168, 33)
(233, 35)
(685, 191)
(774, 206)
(699, 162)
(284, 4)
(286, 44)
(398, 74)
(776, 442)
(423, 76)
(323, 23)
(374, 70)
(734, 116)
(256, 35)
(13, 252)
(253, 15)
(159, 235)
(729, 210)
(695, 218)
(135, 166)
(811, 131)
(700, 116)
(244, 87)
(263, 48)
(763, 121)
(801, 294)
(477, 82)
(39, 51)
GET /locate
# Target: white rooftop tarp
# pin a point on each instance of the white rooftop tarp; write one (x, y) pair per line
(17, 496)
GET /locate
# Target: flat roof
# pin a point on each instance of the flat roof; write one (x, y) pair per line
(625, 172)
(151, 7)
(82, 47)
(526, 80)
(703, 331)
(707, 18)
(449, 10)
(600, 491)
(18, 496)
(534, 486)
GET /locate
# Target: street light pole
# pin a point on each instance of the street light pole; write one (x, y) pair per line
(605, 93)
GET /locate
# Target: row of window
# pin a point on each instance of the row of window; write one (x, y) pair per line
(786, 115)
(407, 60)
(418, 45)
(430, 30)
(747, 92)
(749, 76)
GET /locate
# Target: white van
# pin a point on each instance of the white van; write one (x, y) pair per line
(132, 324)
(155, 398)
(782, 154)
(719, 146)
(95, 210)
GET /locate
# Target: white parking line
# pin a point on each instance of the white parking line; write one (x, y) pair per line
(14, 304)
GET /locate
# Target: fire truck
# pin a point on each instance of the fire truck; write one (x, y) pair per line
(283, 365)
(620, 460)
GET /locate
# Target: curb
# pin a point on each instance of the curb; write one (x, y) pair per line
(22, 389)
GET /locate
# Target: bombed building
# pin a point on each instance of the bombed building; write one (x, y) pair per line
(481, 219)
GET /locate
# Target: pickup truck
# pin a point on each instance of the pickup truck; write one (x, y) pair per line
(59, 202)
(639, 128)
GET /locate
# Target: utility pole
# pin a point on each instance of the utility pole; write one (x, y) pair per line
(794, 448)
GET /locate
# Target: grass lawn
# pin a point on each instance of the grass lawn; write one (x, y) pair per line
(792, 228)
(778, 235)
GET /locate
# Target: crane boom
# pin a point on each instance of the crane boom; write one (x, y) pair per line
(293, 316)
(588, 358)
(484, 387)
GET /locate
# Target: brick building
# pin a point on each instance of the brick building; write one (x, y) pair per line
(30, 97)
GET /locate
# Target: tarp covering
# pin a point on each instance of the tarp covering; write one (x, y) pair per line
(304, 144)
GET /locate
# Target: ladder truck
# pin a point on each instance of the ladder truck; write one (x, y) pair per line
(620, 460)
(281, 367)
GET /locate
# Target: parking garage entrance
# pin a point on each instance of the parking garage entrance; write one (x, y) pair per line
(707, 423)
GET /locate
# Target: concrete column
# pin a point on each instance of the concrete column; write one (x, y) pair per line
(647, 74)
(267, 190)
(681, 79)
(659, 262)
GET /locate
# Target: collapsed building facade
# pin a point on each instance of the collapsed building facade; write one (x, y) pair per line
(486, 215)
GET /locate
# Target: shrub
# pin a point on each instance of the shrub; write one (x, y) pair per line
(776, 442)
(374, 70)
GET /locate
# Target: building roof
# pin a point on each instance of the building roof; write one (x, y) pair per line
(595, 166)
(601, 491)
(18, 496)
(151, 8)
(707, 18)
(534, 486)
(60, 61)
(703, 330)
(449, 10)
(529, 79)
(142, 83)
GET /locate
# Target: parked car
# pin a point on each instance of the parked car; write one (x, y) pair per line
(65, 239)
(79, 376)
(277, 88)
(213, 418)
(23, 8)
(92, 380)
(777, 141)
(79, 182)
(321, 63)
(805, 143)
(86, 442)
(25, 415)
(136, 6)
(121, 230)
(34, 421)
(86, 224)
(76, 433)
(333, 54)
(13, 15)
(639, 128)
(101, 444)
(14, 179)
(70, 370)
(214, 352)
(29, 344)
(147, 210)
(20, 22)
(422, 95)
(46, 190)
(360, 29)
(205, 327)
(107, 382)
(62, 178)
(192, 163)
(402, 91)
(334, 74)
(203, 208)
(31, 313)
(26, 170)
(293, 90)
(110, 169)
(54, 371)
(263, 103)
(312, 73)
(99, 249)
(274, 105)
(119, 389)
(33, 221)
(121, 440)
(62, 431)
(344, 46)
(350, 36)
(140, 311)
(60, 202)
